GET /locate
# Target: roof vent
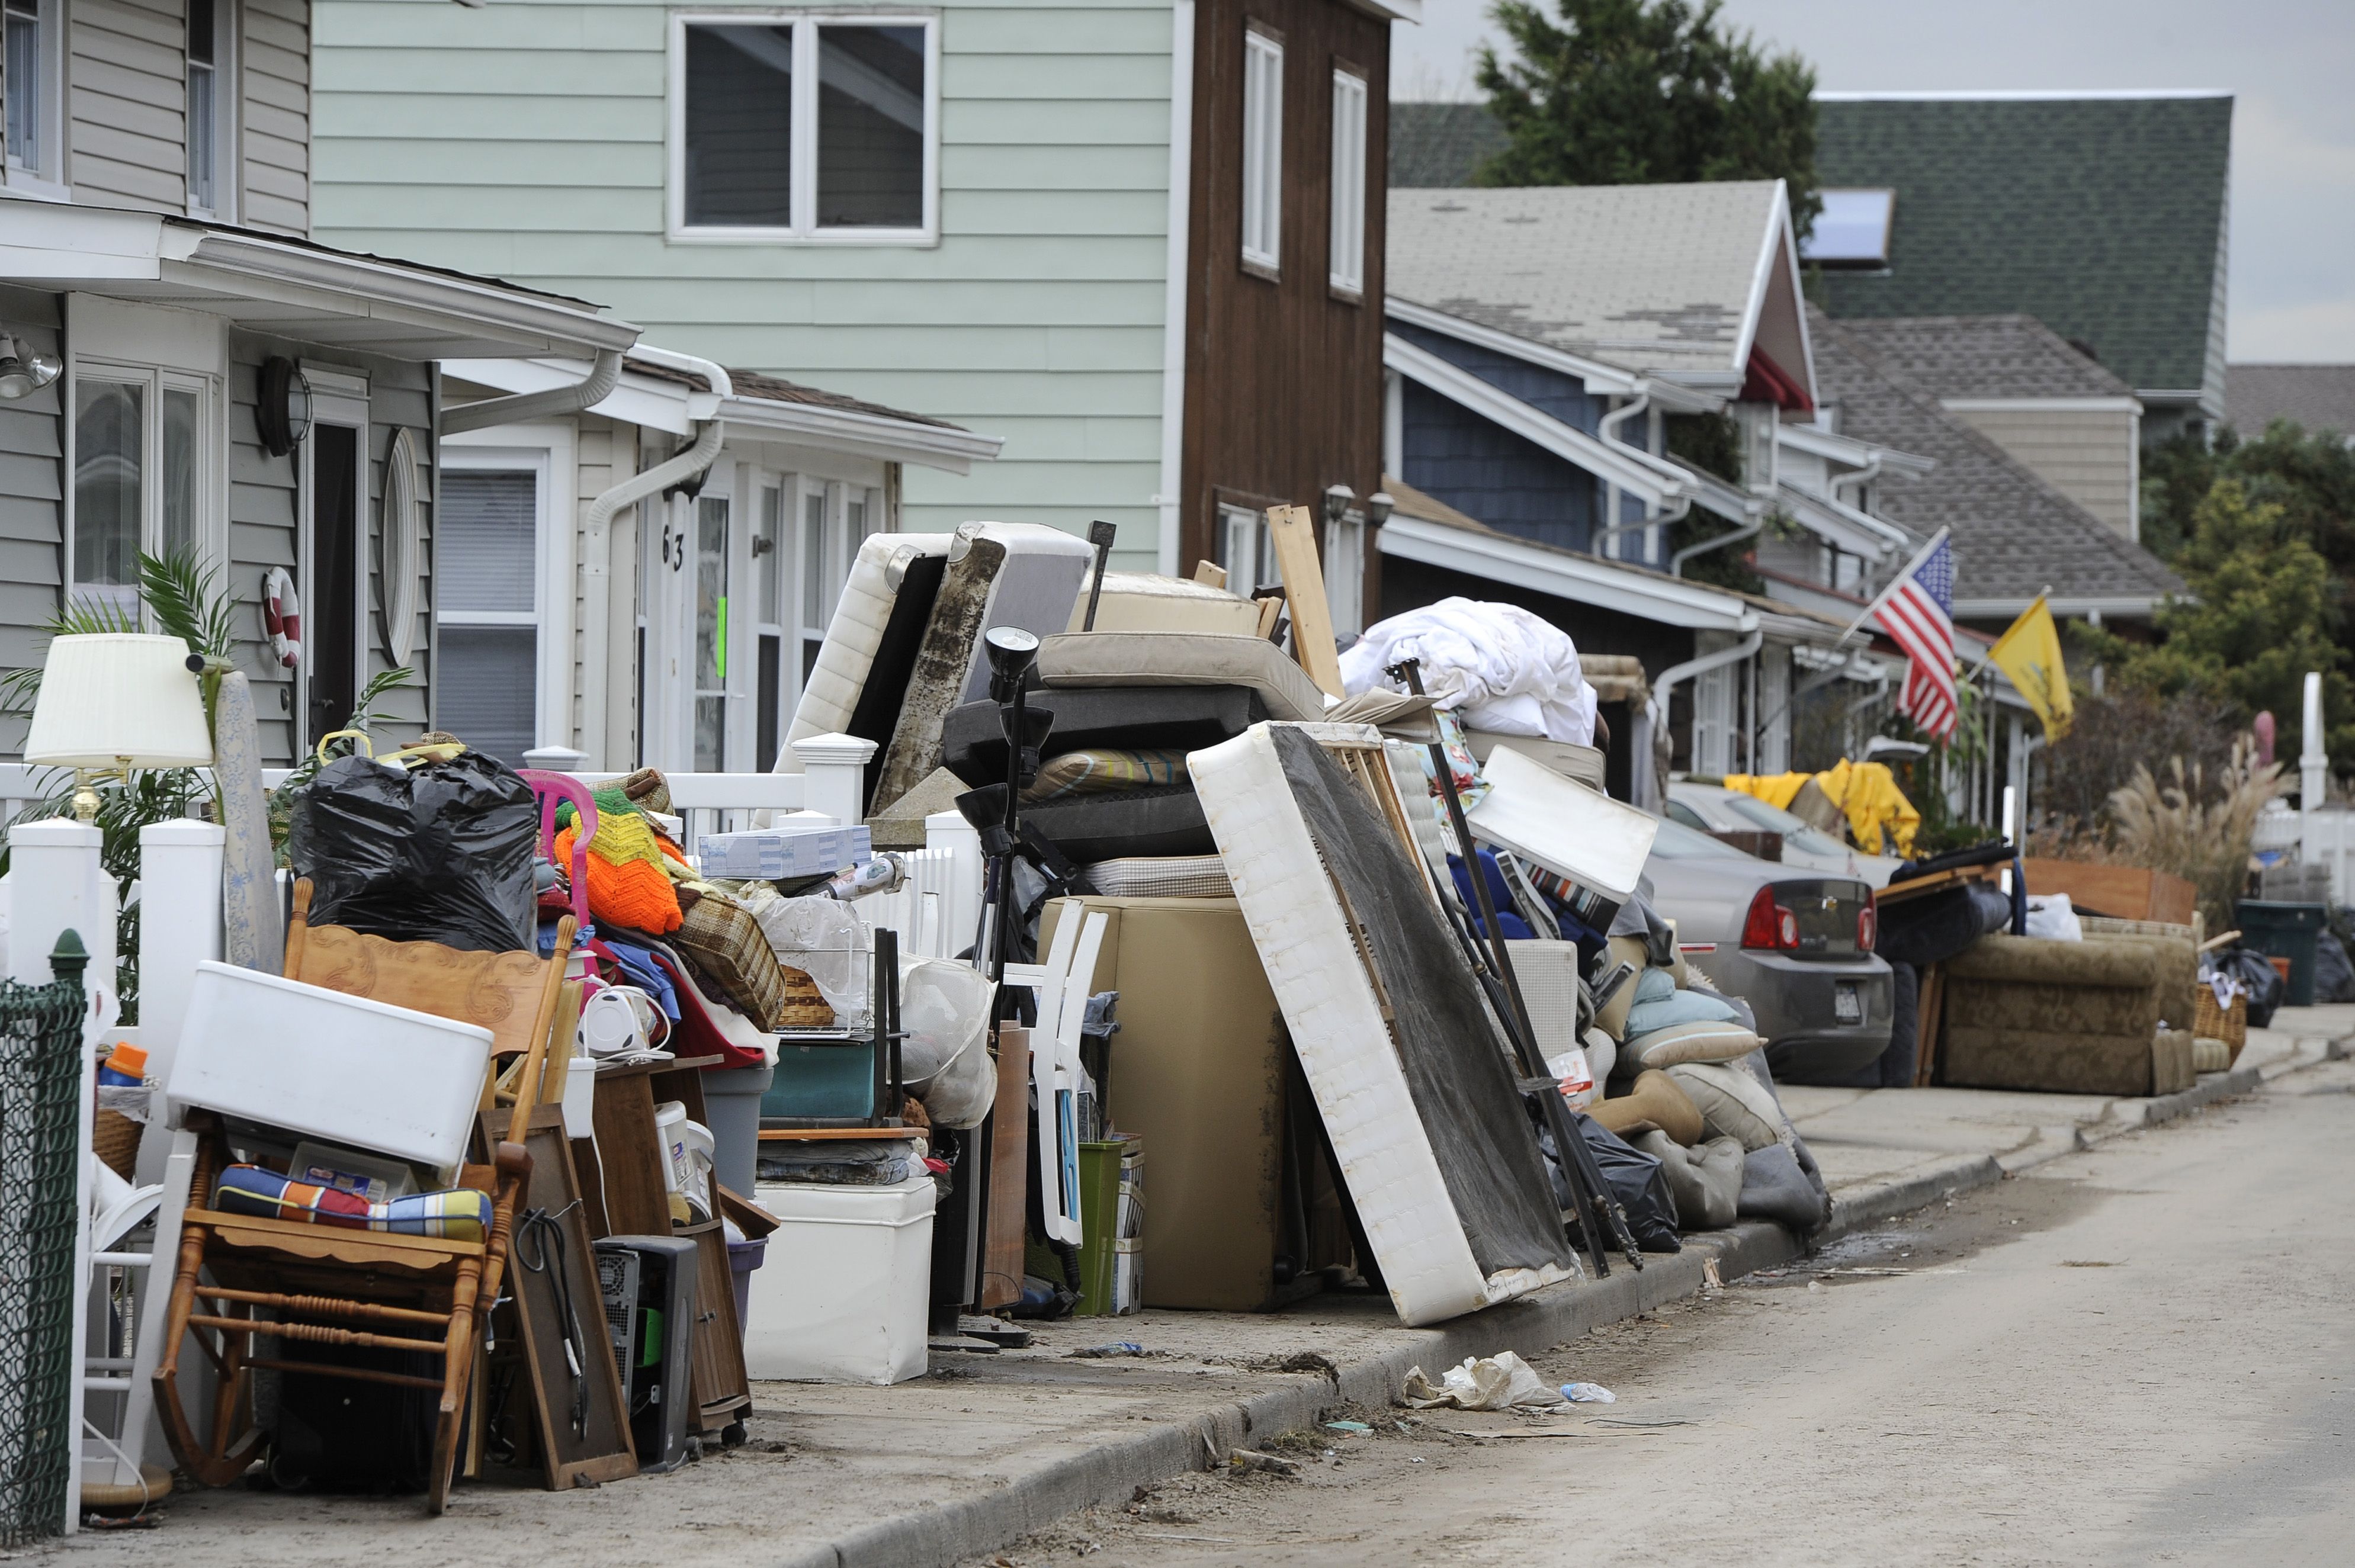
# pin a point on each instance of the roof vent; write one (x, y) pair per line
(1851, 234)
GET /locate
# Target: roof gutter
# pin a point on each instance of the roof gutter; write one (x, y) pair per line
(597, 571)
(604, 375)
(716, 379)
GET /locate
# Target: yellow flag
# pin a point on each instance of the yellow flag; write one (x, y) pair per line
(2030, 653)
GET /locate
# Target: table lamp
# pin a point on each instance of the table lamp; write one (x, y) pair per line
(115, 701)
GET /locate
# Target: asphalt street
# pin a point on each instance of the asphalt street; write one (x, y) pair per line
(2143, 1354)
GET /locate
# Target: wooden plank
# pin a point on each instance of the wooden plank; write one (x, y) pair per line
(1210, 572)
(1898, 893)
(1002, 1222)
(2127, 892)
(1929, 1018)
(1294, 535)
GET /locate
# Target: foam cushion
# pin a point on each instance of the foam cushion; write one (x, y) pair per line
(1655, 1100)
(1181, 659)
(1705, 1179)
(1112, 827)
(1708, 1041)
(1145, 601)
(1731, 1102)
(1175, 718)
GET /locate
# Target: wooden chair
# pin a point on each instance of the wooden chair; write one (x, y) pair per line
(329, 1286)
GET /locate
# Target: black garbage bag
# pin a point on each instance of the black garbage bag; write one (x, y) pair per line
(2334, 976)
(1634, 1177)
(2265, 985)
(1935, 927)
(441, 852)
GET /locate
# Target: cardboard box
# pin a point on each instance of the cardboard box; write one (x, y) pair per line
(783, 852)
(1197, 1071)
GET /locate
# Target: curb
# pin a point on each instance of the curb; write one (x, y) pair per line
(940, 1537)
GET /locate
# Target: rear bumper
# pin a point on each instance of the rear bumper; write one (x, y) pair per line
(1795, 1001)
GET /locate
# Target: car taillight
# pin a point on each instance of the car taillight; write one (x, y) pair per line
(1868, 925)
(1769, 924)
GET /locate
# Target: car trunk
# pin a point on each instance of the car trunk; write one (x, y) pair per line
(1826, 909)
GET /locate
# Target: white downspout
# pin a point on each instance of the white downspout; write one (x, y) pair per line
(597, 570)
(1859, 478)
(603, 377)
(693, 365)
(1609, 537)
(1664, 685)
(1608, 430)
(1169, 503)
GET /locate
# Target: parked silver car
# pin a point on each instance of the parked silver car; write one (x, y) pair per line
(1793, 942)
(1715, 809)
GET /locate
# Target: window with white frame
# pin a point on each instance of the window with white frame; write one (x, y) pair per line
(486, 609)
(212, 98)
(834, 522)
(1262, 149)
(1247, 549)
(1348, 244)
(1345, 574)
(793, 126)
(35, 90)
(142, 474)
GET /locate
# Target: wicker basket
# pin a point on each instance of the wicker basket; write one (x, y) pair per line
(2214, 1023)
(805, 1006)
(115, 1137)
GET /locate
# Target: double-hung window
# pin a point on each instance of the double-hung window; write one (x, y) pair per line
(212, 129)
(1345, 573)
(1262, 149)
(143, 441)
(1348, 242)
(486, 608)
(34, 88)
(786, 126)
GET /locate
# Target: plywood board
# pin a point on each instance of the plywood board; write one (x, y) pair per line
(1294, 537)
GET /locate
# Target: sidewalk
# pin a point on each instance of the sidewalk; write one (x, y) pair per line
(990, 1447)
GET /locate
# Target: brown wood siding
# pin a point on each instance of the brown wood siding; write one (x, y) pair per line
(1284, 379)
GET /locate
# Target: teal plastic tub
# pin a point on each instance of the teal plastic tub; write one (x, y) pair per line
(830, 1080)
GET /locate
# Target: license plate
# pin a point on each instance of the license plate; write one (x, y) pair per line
(1847, 1002)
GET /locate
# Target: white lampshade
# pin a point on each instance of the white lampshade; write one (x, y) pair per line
(119, 699)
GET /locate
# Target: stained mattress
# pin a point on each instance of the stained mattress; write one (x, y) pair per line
(1424, 1113)
(871, 642)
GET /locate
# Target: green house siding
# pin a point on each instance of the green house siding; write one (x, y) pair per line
(2103, 217)
(526, 140)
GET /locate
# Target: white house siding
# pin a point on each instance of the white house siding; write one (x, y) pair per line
(526, 140)
(32, 504)
(2088, 455)
(275, 78)
(128, 101)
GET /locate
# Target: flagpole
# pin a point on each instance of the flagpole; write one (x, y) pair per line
(1883, 596)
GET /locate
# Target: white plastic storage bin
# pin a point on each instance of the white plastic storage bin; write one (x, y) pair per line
(846, 1293)
(340, 1069)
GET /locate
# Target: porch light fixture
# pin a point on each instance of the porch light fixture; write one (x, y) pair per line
(282, 414)
(23, 374)
(1379, 506)
(1337, 501)
(115, 701)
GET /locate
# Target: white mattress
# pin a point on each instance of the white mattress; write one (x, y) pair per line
(1344, 1045)
(853, 635)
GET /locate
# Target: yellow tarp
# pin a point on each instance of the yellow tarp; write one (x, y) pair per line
(1866, 793)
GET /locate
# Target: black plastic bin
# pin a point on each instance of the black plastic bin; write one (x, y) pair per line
(2286, 931)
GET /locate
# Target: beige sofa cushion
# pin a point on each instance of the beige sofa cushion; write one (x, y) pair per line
(1181, 659)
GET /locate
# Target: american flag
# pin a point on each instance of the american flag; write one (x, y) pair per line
(1917, 610)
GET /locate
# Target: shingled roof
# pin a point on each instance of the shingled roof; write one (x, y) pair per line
(2104, 218)
(2314, 396)
(1440, 144)
(1983, 357)
(2014, 534)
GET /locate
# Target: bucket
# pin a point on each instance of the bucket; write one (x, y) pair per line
(743, 1257)
(731, 1104)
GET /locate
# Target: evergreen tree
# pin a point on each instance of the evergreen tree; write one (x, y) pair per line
(1646, 91)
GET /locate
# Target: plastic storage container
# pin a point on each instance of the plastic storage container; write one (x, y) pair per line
(743, 1257)
(855, 1306)
(2286, 931)
(731, 1108)
(831, 1080)
(340, 1069)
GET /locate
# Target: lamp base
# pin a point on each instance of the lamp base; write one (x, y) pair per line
(85, 798)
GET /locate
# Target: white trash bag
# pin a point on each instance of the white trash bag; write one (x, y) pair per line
(1501, 1381)
(944, 1060)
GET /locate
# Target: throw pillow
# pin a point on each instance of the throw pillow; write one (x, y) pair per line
(1731, 1102)
(1711, 1042)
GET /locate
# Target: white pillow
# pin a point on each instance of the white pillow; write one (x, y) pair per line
(1697, 1042)
(1731, 1103)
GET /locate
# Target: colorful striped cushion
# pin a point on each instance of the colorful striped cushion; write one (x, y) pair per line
(457, 1213)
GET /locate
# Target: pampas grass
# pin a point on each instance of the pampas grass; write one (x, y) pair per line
(2194, 828)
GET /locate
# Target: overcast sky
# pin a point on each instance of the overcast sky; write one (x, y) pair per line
(2289, 63)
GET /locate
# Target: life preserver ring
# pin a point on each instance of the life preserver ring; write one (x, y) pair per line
(281, 616)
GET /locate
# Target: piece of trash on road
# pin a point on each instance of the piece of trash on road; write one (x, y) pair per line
(1243, 1461)
(1588, 1394)
(1501, 1381)
(1356, 1429)
(1117, 1348)
(1709, 1276)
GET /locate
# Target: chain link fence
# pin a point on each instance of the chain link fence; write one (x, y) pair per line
(40, 1134)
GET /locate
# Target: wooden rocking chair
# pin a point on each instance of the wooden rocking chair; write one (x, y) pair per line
(329, 1286)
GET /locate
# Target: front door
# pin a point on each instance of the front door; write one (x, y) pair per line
(335, 470)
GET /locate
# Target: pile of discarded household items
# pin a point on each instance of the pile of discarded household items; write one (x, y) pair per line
(556, 1123)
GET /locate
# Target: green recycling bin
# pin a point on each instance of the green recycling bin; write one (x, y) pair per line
(2286, 931)
(1112, 1227)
